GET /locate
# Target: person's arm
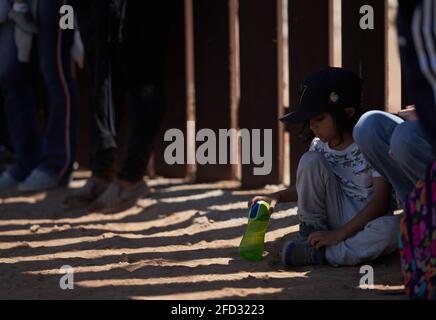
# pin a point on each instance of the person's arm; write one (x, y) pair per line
(377, 207)
(287, 195)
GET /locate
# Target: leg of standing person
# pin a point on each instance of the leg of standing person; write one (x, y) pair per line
(20, 111)
(6, 157)
(103, 123)
(59, 143)
(5, 7)
(145, 48)
(99, 21)
(4, 136)
(144, 78)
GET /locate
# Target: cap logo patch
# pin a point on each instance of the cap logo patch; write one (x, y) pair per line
(334, 98)
(303, 91)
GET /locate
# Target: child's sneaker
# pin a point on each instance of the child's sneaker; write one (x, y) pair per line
(298, 253)
(24, 21)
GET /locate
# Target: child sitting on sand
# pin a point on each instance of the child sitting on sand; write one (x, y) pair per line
(343, 203)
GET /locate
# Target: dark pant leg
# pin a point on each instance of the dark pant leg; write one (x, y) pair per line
(96, 21)
(5, 147)
(19, 106)
(145, 114)
(54, 44)
(4, 135)
(147, 29)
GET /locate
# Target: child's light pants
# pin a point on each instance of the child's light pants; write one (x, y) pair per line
(322, 203)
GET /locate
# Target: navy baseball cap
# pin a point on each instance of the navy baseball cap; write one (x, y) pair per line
(324, 91)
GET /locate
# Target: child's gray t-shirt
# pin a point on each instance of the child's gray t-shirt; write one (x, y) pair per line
(353, 171)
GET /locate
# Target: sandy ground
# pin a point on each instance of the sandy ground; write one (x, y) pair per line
(178, 243)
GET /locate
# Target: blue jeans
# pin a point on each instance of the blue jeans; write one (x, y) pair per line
(397, 149)
(5, 6)
(55, 151)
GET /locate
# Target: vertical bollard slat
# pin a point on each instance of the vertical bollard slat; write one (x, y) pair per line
(261, 68)
(364, 50)
(213, 80)
(309, 51)
(175, 98)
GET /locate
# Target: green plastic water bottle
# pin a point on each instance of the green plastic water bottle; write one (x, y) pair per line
(252, 244)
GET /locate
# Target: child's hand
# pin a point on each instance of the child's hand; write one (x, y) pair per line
(325, 238)
(271, 200)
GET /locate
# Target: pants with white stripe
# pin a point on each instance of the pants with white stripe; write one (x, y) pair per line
(54, 152)
(416, 24)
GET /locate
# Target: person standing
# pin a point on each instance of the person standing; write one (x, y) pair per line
(45, 162)
(127, 49)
